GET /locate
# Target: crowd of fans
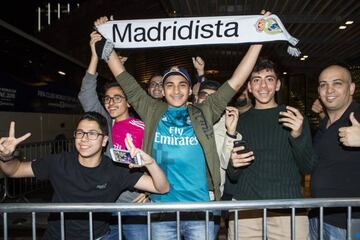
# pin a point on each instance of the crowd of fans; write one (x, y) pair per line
(188, 153)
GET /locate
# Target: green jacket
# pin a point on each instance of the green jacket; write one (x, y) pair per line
(202, 116)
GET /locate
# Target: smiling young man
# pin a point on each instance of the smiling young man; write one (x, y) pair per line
(155, 86)
(279, 141)
(116, 110)
(181, 139)
(114, 107)
(85, 176)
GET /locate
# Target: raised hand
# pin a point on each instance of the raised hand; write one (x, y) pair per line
(8, 144)
(100, 21)
(318, 108)
(292, 119)
(199, 65)
(350, 136)
(123, 59)
(231, 119)
(94, 38)
(146, 159)
(265, 13)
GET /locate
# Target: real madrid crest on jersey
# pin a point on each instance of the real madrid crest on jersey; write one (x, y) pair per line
(188, 120)
(164, 118)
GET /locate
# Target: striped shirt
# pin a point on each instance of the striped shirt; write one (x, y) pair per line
(130, 125)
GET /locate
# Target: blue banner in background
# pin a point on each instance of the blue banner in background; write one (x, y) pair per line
(17, 96)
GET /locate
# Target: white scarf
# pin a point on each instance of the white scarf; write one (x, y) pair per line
(166, 32)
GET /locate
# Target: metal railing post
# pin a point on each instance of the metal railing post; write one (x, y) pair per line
(91, 226)
(236, 224)
(5, 226)
(321, 223)
(119, 225)
(265, 224)
(33, 225)
(349, 223)
(293, 230)
(62, 222)
(149, 225)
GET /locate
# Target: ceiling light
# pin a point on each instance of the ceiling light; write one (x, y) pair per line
(61, 73)
(349, 22)
(342, 27)
(302, 59)
(284, 73)
(305, 56)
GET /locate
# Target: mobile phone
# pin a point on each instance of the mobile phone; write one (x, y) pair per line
(238, 143)
(123, 156)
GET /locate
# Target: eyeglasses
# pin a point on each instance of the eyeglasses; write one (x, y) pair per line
(155, 84)
(91, 135)
(203, 95)
(116, 99)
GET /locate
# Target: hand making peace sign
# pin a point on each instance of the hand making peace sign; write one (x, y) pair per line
(8, 144)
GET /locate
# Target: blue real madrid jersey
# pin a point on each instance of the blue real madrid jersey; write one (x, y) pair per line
(180, 155)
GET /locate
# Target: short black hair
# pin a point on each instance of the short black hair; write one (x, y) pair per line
(97, 117)
(110, 84)
(155, 74)
(265, 63)
(209, 84)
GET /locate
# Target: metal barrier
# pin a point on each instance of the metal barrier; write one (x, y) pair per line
(17, 188)
(150, 208)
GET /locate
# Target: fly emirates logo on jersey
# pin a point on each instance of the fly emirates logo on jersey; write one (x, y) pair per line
(176, 138)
